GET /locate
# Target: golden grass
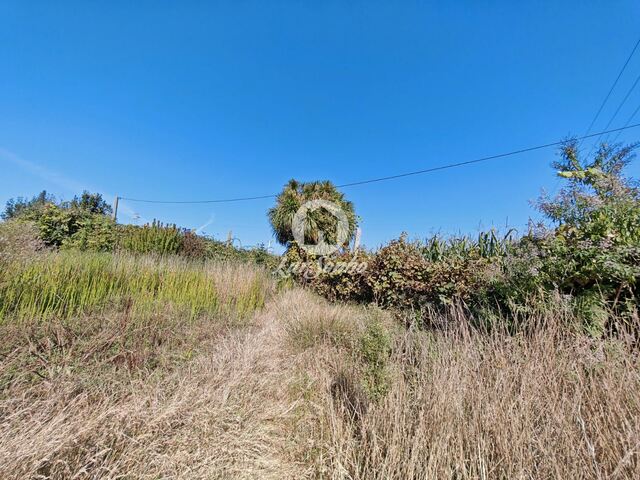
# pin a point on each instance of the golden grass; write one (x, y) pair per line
(283, 395)
(163, 397)
(463, 404)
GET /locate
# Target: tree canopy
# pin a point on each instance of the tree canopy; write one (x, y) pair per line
(293, 196)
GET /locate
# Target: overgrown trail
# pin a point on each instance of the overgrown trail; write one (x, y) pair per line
(224, 414)
(309, 389)
(243, 419)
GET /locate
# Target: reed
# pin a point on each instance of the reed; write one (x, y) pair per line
(66, 283)
(151, 238)
(489, 244)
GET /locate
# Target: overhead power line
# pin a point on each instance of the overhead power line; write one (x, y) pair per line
(629, 120)
(393, 177)
(615, 114)
(624, 100)
(223, 200)
(606, 98)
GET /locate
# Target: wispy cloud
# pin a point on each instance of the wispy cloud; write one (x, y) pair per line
(201, 228)
(70, 185)
(42, 172)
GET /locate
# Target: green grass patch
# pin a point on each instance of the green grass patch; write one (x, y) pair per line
(67, 283)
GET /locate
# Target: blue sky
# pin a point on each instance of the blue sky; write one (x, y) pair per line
(200, 100)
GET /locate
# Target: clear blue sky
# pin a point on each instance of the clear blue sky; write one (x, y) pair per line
(196, 100)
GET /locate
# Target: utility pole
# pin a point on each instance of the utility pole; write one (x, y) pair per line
(115, 209)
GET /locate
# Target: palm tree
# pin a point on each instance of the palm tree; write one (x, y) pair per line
(293, 196)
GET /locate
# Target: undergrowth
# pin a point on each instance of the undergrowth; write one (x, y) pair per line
(67, 283)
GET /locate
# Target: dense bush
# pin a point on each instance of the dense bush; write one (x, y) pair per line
(337, 277)
(19, 206)
(589, 256)
(397, 275)
(18, 241)
(84, 223)
(54, 223)
(592, 256)
(96, 233)
(81, 223)
(151, 238)
(409, 274)
(193, 245)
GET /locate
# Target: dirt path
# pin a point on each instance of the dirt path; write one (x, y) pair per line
(225, 414)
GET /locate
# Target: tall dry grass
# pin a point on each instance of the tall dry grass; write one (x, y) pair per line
(467, 404)
(287, 394)
(120, 366)
(201, 401)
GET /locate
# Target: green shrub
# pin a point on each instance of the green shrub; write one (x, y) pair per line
(400, 275)
(55, 224)
(397, 275)
(374, 350)
(344, 277)
(339, 277)
(17, 207)
(193, 245)
(82, 223)
(261, 256)
(91, 203)
(151, 238)
(592, 257)
(97, 233)
(223, 251)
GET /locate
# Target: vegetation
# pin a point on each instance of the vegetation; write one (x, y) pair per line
(154, 238)
(66, 284)
(462, 403)
(153, 352)
(18, 206)
(590, 257)
(294, 195)
(85, 224)
(114, 395)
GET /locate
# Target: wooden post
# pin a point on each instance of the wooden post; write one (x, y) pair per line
(115, 209)
(230, 238)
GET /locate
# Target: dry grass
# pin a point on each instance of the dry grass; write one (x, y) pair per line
(464, 404)
(284, 396)
(206, 401)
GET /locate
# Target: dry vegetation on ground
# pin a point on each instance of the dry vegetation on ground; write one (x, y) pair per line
(305, 389)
